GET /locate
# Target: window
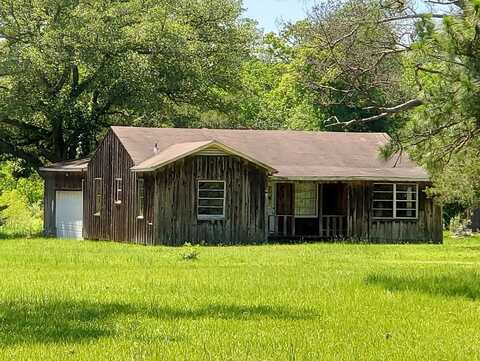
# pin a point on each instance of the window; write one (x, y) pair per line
(211, 199)
(118, 191)
(97, 189)
(306, 199)
(140, 197)
(395, 200)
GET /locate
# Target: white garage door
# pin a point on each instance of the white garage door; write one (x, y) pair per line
(69, 214)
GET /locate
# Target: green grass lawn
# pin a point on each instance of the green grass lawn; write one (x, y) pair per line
(81, 300)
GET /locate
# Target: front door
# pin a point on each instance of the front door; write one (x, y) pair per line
(334, 211)
(285, 209)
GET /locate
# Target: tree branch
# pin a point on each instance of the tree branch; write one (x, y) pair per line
(22, 126)
(335, 42)
(382, 113)
(413, 16)
(9, 149)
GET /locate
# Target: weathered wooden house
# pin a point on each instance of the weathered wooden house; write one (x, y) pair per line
(171, 186)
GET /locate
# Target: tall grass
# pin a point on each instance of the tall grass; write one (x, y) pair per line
(81, 300)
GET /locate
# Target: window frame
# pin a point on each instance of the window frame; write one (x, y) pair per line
(117, 189)
(140, 198)
(209, 217)
(395, 200)
(98, 196)
(295, 201)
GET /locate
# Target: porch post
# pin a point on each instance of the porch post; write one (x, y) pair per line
(293, 209)
(267, 217)
(349, 220)
(320, 209)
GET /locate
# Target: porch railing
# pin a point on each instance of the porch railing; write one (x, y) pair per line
(281, 225)
(331, 226)
(334, 226)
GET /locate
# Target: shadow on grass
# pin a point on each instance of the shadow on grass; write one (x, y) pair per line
(81, 321)
(462, 284)
(229, 312)
(55, 321)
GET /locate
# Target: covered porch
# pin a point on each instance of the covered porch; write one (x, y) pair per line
(308, 210)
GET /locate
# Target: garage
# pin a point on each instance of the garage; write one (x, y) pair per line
(69, 214)
(63, 198)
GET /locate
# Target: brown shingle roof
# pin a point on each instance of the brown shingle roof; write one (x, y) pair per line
(294, 154)
(77, 165)
(181, 150)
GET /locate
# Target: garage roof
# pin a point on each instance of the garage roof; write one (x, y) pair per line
(78, 165)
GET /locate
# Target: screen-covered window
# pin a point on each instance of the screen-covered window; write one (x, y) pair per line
(395, 200)
(306, 199)
(140, 197)
(211, 199)
(118, 191)
(97, 189)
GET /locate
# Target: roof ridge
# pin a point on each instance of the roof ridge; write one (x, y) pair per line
(208, 130)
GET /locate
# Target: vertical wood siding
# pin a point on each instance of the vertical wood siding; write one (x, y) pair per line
(116, 222)
(49, 205)
(176, 202)
(426, 228)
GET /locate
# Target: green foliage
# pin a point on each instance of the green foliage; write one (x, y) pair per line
(69, 69)
(271, 94)
(451, 210)
(444, 133)
(81, 300)
(17, 216)
(191, 252)
(273, 98)
(342, 57)
(460, 226)
(20, 201)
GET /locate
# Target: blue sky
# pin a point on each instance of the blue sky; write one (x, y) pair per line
(269, 13)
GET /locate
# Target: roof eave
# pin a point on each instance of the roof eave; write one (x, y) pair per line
(350, 178)
(65, 170)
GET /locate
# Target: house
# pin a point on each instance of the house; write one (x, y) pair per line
(170, 186)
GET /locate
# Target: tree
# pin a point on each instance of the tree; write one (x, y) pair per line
(351, 61)
(272, 96)
(384, 64)
(444, 132)
(69, 68)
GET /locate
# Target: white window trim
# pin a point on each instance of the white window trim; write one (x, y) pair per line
(295, 199)
(95, 181)
(210, 217)
(116, 199)
(395, 201)
(142, 216)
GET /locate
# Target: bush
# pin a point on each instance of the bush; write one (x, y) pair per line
(17, 216)
(20, 202)
(460, 226)
(451, 210)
